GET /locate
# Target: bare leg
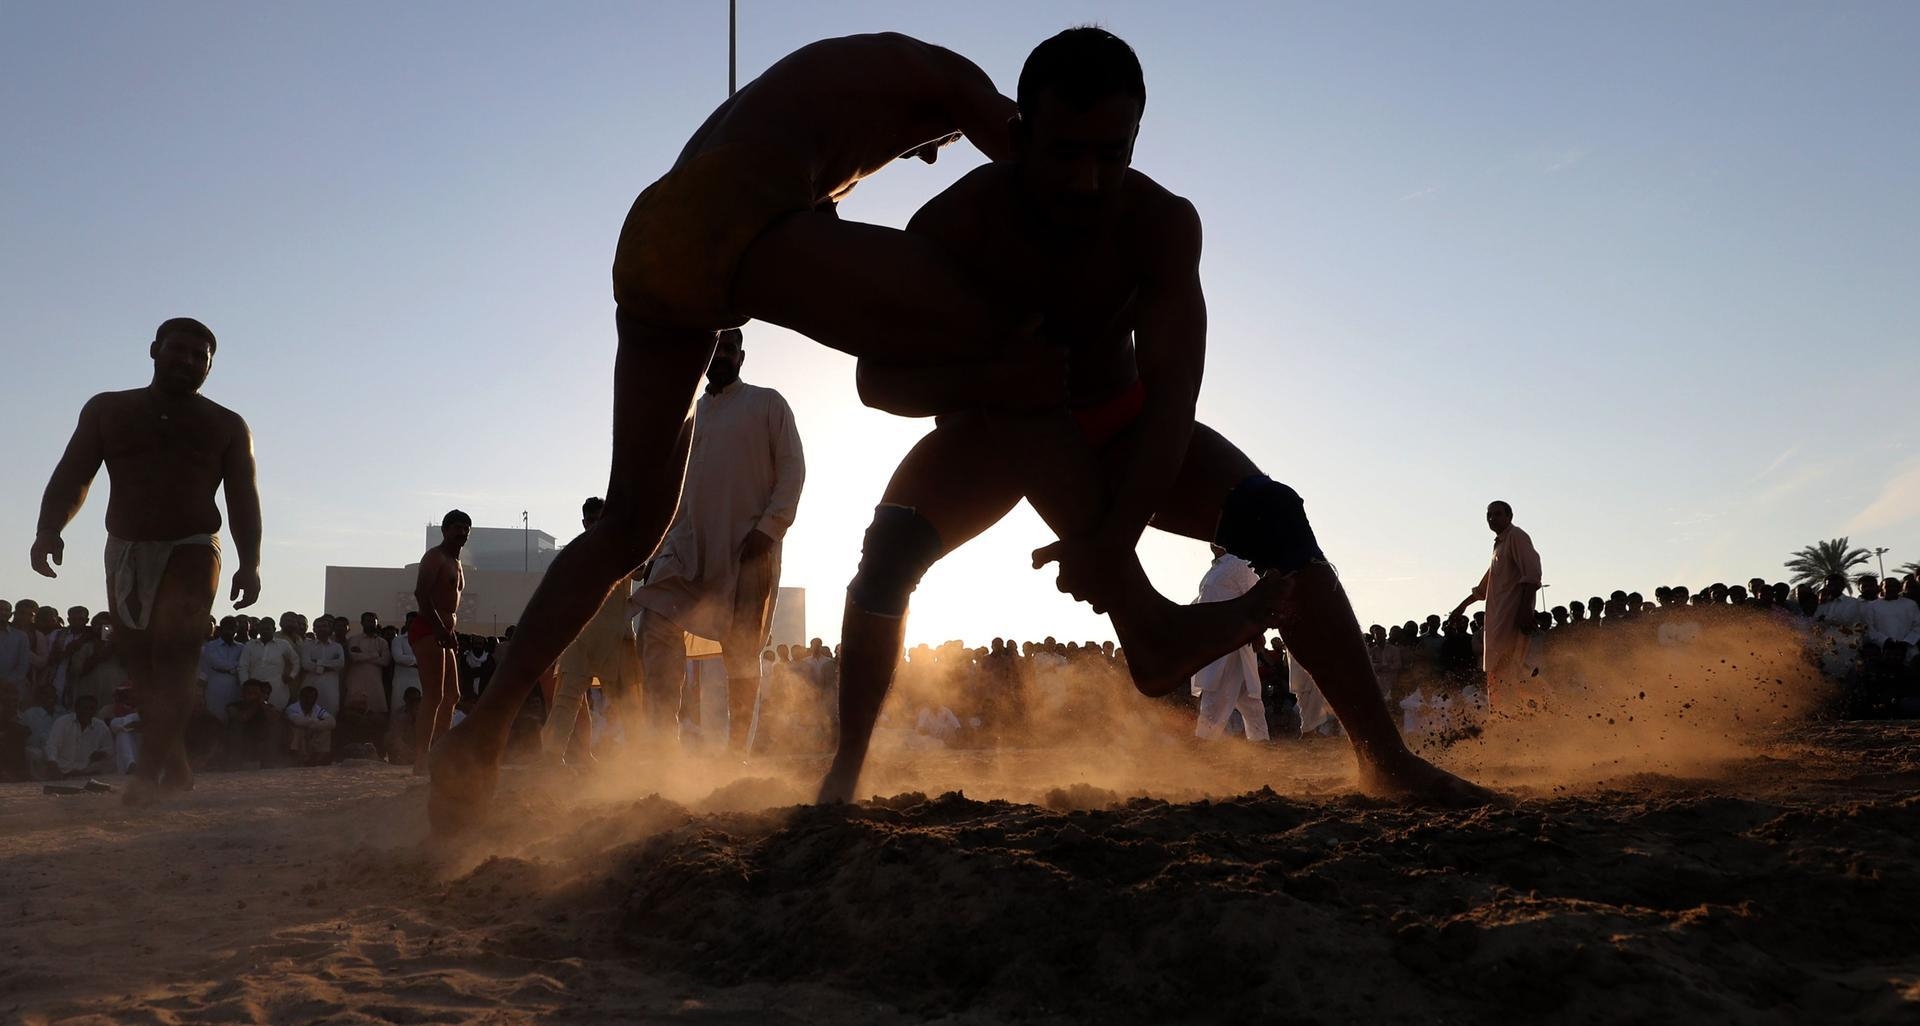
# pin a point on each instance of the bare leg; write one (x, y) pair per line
(439, 692)
(1166, 642)
(654, 380)
(868, 291)
(956, 478)
(1316, 620)
(162, 661)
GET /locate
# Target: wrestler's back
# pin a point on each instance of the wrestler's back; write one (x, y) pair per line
(844, 107)
(165, 472)
(1085, 288)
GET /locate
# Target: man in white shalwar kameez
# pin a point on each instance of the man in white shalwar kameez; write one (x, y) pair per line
(1232, 681)
(1508, 586)
(717, 571)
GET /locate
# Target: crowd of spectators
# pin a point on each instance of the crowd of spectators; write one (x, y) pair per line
(291, 691)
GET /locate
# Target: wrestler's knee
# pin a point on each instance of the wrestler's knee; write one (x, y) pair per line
(900, 546)
(1265, 523)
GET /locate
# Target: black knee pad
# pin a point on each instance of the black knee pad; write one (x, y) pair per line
(899, 547)
(1265, 523)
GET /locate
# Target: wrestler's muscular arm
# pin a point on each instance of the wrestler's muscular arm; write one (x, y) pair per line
(238, 479)
(67, 489)
(1170, 343)
(974, 104)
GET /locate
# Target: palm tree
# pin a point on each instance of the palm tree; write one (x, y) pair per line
(1821, 560)
(1910, 569)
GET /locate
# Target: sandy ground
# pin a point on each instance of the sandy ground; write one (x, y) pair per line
(1783, 887)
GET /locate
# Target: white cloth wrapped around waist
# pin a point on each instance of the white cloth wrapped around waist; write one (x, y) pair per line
(134, 572)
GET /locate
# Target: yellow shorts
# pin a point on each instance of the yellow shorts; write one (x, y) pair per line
(685, 236)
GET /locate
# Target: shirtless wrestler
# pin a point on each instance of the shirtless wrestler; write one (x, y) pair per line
(1110, 261)
(743, 226)
(434, 635)
(168, 450)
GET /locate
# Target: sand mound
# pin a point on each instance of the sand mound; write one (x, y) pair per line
(1643, 903)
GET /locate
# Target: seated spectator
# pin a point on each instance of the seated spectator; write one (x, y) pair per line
(39, 719)
(310, 728)
(252, 728)
(80, 743)
(124, 720)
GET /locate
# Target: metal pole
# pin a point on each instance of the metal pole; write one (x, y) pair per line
(1881, 555)
(733, 20)
(526, 544)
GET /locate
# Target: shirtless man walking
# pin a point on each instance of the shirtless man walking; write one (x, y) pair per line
(436, 645)
(168, 450)
(1110, 261)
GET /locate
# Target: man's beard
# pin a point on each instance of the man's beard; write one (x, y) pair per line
(720, 375)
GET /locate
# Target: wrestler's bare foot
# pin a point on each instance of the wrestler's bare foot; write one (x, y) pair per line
(177, 775)
(1407, 777)
(464, 774)
(1168, 646)
(837, 788)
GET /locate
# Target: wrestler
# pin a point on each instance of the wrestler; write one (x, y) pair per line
(433, 635)
(168, 450)
(743, 226)
(1110, 261)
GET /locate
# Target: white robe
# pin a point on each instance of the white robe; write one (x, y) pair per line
(744, 473)
(406, 670)
(71, 748)
(1232, 681)
(1515, 565)
(219, 671)
(273, 661)
(320, 665)
(1891, 620)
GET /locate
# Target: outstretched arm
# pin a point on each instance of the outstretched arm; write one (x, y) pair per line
(243, 514)
(1479, 593)
(67, 489)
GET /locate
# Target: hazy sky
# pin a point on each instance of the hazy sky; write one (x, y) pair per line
(1646, 271)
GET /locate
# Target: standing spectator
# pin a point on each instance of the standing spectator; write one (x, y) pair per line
(79, 621)
(94, 667)
(310, 728)
(272, 660)
(1508, 587)
(321, 660)
(717, 572)
(16, 655)
(220, 668)
(406, 668)
(79, 744)
(1230, 683)
(368, 657)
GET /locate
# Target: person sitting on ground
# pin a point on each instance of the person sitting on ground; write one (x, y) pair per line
(80, 743)
(310, 728)
(39, 719)
(124, 720)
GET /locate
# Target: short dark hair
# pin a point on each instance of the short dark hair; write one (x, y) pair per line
(1502, 504)
(186, 326)
(738, 337)
(454, 517)
(593, 506)
(1082, 66)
